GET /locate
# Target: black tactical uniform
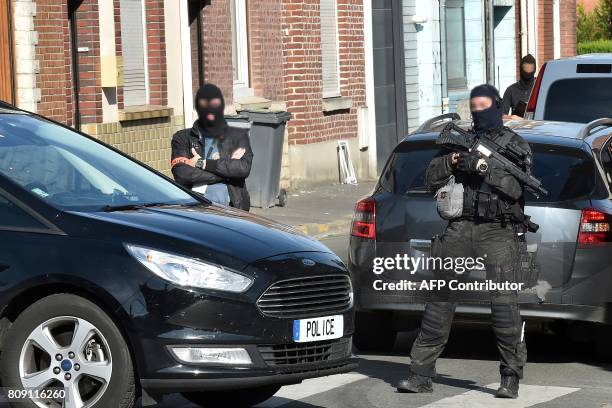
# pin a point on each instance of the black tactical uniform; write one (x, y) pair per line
(517, 95)
(487, 228)
(222, 171)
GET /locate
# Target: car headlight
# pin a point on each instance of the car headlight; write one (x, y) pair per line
(191, 272)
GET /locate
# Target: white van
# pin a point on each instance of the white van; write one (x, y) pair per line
(577, 89)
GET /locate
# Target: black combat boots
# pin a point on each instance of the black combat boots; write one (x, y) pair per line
(415, 383)
(508, 388)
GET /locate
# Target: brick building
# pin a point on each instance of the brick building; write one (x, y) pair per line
(125, 71)
(364, 71)
(99, 65)
(546, 29)
(305, 56)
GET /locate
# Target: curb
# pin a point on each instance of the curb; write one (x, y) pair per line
(321, 229)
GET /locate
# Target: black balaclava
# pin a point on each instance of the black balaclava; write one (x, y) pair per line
(217, 126)
(527, 77)
(490, 118)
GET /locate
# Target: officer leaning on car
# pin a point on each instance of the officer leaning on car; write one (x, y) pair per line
(213, 158)
(487, 227)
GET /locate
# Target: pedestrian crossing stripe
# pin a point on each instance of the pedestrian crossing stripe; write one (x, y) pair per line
(484, 397)
(307, 388)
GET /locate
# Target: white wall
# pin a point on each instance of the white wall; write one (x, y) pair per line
(427, 63)
(505, 48)
(110, 108)
(173, 56)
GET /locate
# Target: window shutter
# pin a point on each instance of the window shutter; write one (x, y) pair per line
(132, 43)
(329, 48)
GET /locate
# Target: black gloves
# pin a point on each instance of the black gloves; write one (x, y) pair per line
(467, 162)
(472, 163)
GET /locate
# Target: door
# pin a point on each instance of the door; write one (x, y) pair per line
(389, 88)
(7, 78)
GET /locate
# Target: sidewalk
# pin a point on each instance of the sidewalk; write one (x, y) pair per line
(324, 210)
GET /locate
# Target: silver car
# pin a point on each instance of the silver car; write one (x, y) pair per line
(577, 89)
(573, 244)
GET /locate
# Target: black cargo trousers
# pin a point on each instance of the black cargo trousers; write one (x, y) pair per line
(497, 245)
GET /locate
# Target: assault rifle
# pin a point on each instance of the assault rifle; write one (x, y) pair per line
(508, 157)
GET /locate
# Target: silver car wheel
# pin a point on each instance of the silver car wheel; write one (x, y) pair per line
(66, 353)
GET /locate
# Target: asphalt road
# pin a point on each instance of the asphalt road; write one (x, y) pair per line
(559, 373)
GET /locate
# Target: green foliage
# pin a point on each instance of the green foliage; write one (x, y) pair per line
(589, 47)
(596, 25)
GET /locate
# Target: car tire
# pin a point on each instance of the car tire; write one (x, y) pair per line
(91, 327)
(374, 331)
(236, 398)
(602, 343)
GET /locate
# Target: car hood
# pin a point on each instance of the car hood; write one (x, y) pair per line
(214, 229)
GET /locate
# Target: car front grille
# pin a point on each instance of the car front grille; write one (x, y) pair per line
(297, 354)
(305, 297)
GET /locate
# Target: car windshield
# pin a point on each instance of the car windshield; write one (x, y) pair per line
(567, 174)
(580, 100)
(72, 172)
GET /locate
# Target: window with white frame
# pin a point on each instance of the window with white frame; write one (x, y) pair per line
(134, 51)
(329, 49)
(240, 49)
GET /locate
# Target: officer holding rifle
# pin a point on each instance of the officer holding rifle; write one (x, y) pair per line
(488, 224)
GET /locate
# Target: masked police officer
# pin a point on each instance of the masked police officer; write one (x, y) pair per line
(487, 228)
(211, 157)
(517, 95)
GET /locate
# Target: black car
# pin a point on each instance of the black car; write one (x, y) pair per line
(572, 246)
(115, 282)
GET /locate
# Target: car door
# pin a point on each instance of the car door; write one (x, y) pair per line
(28, 244)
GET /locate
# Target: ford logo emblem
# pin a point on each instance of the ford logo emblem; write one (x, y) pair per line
(308, 262)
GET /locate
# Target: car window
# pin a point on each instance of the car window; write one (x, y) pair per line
(405, 170)
(579, 100)
(72, 172)
(606, 162)
(12, 216)
(566, 173)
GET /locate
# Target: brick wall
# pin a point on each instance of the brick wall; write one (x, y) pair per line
(568, 27)
(546, 47)
(303, 75)
(217, 37)
(266, 48)
(88, 36)
(567, 9)
(54, 74)
(589, 5)
(156, 52)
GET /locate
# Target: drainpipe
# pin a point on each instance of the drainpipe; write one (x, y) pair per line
(443, 64)
(489, 42)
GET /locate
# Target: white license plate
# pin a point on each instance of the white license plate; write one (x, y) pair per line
(318, 328)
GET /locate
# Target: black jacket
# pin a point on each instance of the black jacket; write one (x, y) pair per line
(232, 172)
(498, 181)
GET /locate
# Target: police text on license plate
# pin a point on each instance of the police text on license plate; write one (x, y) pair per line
(318, 328)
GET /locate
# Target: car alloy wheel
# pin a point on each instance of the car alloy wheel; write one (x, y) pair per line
(70, 353)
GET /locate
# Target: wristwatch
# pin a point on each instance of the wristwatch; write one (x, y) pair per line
(200, 163)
